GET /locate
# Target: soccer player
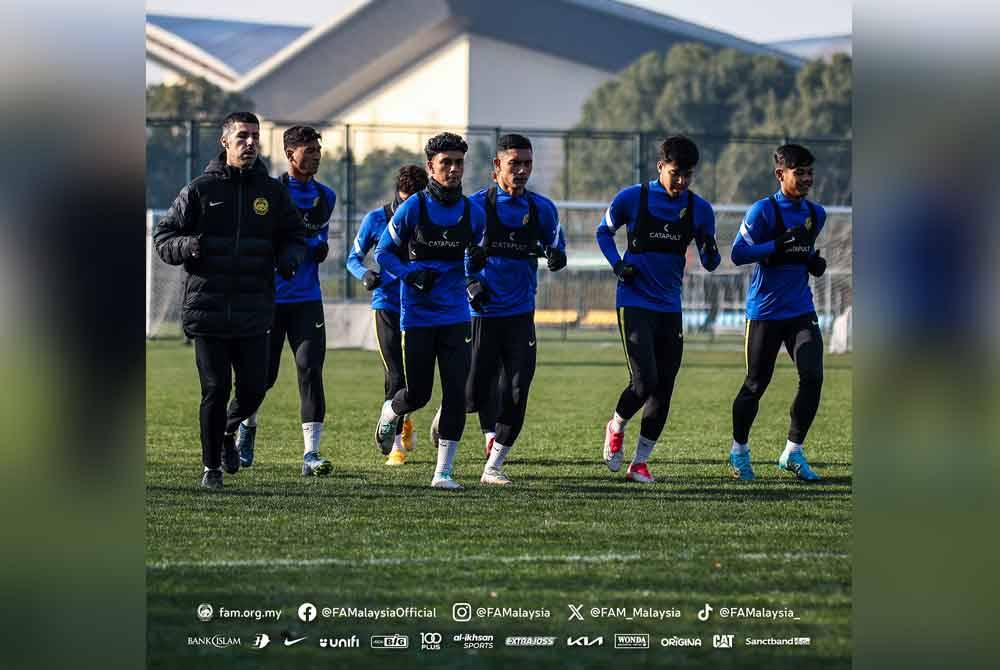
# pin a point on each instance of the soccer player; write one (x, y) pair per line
(298, 315)
(439, 231)
(502, 299)
(779, 233)
(230, 228)
(661, 218)
(385, 298)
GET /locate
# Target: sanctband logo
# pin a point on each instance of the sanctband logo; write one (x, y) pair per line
(631, 641)
(584, 641)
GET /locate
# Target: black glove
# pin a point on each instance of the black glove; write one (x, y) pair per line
(816, 265)
(287, 267)
(477, 258)
(193, 248)
(321, 251)
(477, 294)
(371, 280)
(796, 235)
(626, 272)
(556, 259)
(422, 280)
(708, 246)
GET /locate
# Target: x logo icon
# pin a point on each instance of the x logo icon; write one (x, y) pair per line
(574, 612)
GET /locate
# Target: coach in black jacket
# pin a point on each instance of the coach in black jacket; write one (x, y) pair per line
(230, 228)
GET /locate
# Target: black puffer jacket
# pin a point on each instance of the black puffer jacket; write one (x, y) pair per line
(244, 223)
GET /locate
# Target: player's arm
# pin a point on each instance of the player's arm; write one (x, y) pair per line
(618, 214)
(289, 236)
(552, 237)
(363, 242)
(816, 265)
(321, 249)
(475, 255)
(704, 236)
(175, 236)
(746, 246)
(394, 237)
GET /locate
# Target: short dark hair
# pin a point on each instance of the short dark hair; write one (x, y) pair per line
(512, 141)
(445, 142)
(793, 156)
(296, 136)
(679, 150)
(238, 117)
(411, 179)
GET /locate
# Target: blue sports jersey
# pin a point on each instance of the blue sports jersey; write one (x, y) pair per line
(777, 291)
(386, 294)
(446, 303)
(658, 284)
(512, 282)
(304, 286)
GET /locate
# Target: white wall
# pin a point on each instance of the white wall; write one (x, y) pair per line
(514, 86)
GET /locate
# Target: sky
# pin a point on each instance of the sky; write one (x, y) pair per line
(750, 20)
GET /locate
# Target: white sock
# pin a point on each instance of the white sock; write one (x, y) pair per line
(251, 421)
(791, 448)
(739, 449)
(397, 444)
(489, 435)
(311, 432)
(618, 423)
(387, 413)
(643, 449)
(446, 456)
(497, 456)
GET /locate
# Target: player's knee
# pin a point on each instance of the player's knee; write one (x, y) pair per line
(755, 387)
(645, 386)
(418, 396)
(214, 389)
(811, 377)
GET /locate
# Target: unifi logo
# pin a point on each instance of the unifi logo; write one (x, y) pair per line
(340, 643)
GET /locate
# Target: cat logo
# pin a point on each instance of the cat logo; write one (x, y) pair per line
(684, 211)
(525, 220)
(260, 206)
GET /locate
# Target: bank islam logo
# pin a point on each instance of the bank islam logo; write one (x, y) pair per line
(205, 612)
(340, 642)
(584, 641)
(261, 641)
(390, 641)
(217, 641)
(631, 641)
(430, 641)
(307, 612)
(722, 641)
(461, 612)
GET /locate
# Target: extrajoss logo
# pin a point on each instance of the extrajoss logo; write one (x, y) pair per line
(205, 612)
(430, 641)
(584, 641)
(722, 641)
(530, 641)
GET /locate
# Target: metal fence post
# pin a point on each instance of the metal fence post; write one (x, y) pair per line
(637, 158)
(192, 151)
(349, 206)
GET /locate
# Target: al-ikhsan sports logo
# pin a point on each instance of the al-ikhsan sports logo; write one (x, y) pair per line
(260, 206)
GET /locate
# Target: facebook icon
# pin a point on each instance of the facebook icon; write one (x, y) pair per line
(307, 612)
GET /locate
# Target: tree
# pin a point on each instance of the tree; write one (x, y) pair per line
(166, 141)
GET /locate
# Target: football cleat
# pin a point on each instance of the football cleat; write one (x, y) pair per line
(740, 464)
(495, 477)
(396, 457)
(638, 472)
(444, 481)
(314, 464)
(614, 451)
(489, 447)
(385, 430)
(212, 479)
(435, 436)
(407, 434)
(230, 454)
(245, 437)
(795, 463)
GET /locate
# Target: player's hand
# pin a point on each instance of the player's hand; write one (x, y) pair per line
(708, 247)
(792, 237)
(287, 267)
(371, 280)
(321, 251)
(816, 265)
(477, 258)
(556, 259)
(422, 280)
(626, 272)
(193, 248)
(477, 294)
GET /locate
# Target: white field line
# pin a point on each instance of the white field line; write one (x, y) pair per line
(303, 563)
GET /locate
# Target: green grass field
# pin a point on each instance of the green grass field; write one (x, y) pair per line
(568, 532)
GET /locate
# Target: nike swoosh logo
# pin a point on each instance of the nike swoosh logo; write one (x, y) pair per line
(815, 323)
(319, 325)
(213, 204)
(289, 643)
(531, 343)
(468, 339)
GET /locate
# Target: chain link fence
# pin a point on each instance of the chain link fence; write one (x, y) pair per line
(580, 170)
